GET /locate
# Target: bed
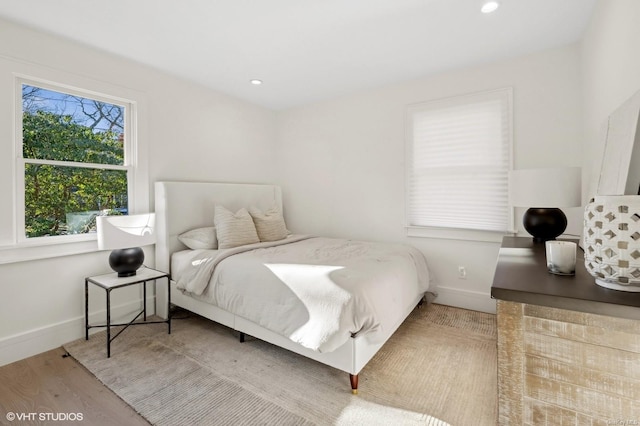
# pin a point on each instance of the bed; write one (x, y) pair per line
(259, 288)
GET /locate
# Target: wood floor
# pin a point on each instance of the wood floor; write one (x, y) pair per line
(54, 383)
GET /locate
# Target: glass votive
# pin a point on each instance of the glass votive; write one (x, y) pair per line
(561, 257)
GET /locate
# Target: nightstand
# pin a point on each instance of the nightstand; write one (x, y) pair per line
(111, 282)
(560, 339)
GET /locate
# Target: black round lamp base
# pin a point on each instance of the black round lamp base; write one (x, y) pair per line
(544, 224)
(126, 261)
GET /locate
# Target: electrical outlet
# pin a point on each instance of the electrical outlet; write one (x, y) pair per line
(462, 272)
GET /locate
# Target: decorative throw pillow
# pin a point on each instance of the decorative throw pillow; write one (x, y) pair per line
(270, 224)
(234, 229)
(200, 238)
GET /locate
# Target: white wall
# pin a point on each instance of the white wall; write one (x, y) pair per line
(342, 161)
(193, 134)
(610, 60)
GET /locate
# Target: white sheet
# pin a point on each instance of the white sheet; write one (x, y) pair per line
(180, 261)
(316, 291)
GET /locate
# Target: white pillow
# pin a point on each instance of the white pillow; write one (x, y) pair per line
(270, 224)
(234, 229)
(200, 238)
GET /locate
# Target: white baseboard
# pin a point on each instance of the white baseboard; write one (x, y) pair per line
(33, 342)
(36, 341)
(467, 299)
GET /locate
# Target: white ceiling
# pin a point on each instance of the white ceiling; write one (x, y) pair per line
(306, 50)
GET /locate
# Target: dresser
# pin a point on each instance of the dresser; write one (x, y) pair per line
(568, 349)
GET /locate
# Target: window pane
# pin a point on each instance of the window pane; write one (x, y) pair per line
(65, 200)
(64, 127)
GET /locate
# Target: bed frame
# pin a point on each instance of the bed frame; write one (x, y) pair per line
(181, 206)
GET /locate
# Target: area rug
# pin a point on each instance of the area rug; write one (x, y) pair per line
(438, 369)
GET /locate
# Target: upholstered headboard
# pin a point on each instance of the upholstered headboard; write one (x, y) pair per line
(181, 206)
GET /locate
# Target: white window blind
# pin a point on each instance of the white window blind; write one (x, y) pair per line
(458, 157)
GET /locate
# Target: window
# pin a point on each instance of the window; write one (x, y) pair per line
(73, 161)
(458, 159)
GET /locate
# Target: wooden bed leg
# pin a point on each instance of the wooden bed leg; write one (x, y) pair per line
(241, 337)
(354, 383)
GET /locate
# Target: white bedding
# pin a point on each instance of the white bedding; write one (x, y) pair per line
(316, 291)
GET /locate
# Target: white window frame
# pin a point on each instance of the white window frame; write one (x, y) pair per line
(450, 232)
(136, 161)
(128, 166)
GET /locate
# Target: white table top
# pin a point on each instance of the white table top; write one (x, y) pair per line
(112, 280)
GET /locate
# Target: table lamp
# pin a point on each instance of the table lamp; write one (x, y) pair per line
(543, 191)
(124, 235)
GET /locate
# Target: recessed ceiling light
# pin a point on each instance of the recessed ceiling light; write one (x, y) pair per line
(489, 7)
(256, 82)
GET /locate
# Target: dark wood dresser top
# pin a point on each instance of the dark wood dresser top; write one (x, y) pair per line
(521, 276)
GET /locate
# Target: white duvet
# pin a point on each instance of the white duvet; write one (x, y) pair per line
(316, 291)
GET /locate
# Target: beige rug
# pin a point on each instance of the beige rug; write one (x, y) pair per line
(439, 368)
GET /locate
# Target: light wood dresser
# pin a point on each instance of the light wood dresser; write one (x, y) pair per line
(568, 349)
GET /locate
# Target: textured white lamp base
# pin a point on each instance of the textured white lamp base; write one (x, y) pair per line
(612, 241)
(614, 286)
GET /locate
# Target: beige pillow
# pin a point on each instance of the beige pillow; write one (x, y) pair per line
(234, 229)
(200, 238)
(270, 224)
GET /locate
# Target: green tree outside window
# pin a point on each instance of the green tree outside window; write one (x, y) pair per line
(73, 150)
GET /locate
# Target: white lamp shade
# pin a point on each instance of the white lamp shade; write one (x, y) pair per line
(117, 232)
(546, 188)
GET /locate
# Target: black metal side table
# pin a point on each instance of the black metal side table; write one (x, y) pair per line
(110, 282)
